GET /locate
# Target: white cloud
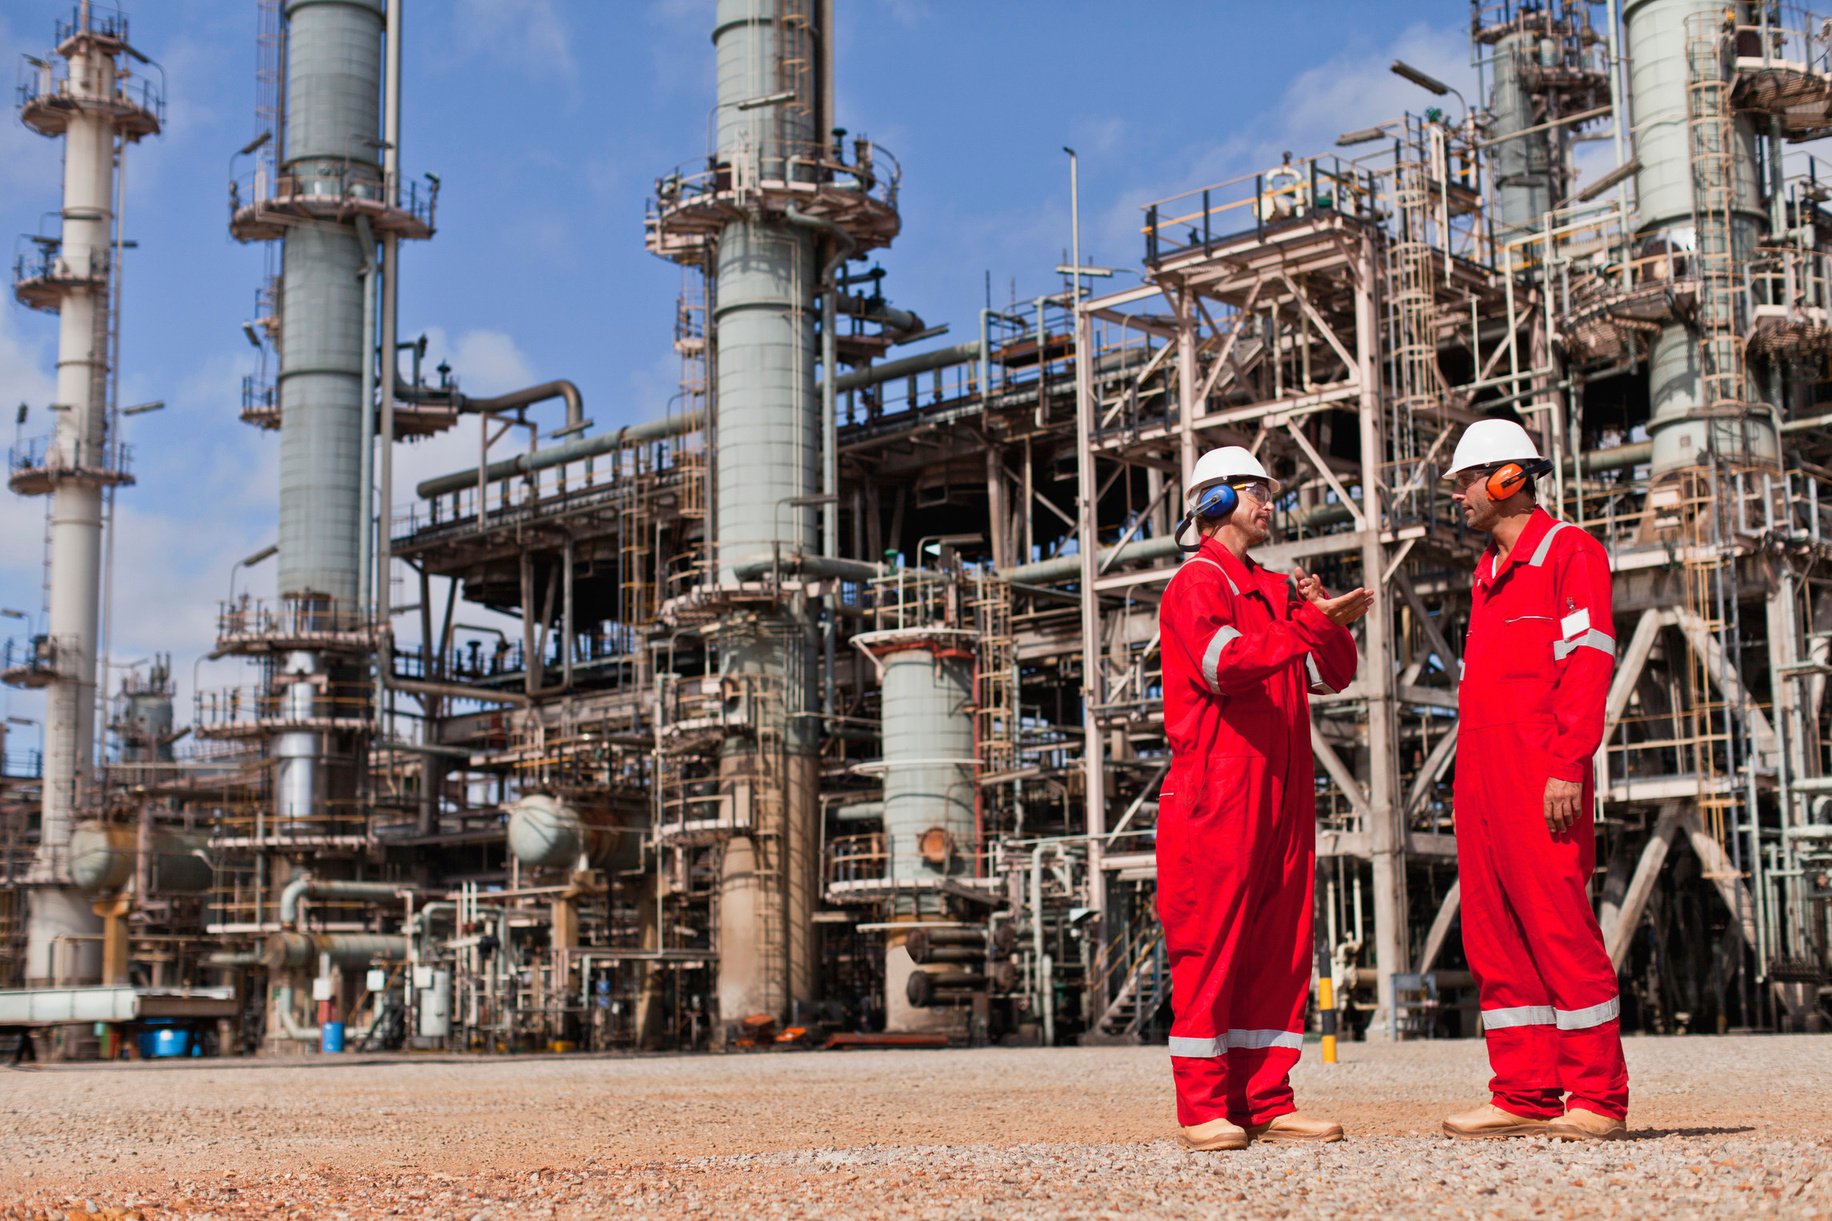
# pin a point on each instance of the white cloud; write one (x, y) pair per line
(1352, 89)
(529, 36)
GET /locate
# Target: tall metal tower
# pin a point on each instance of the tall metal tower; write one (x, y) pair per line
(325, 184)
(88, 93)
(775, 193)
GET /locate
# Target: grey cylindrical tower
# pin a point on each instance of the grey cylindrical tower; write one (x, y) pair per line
(1661, 35)
(1522, 162)
(929, 825)
(767, 428)
(928, 764)
(331, 147)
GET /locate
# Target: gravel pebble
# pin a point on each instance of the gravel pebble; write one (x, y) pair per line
(1728, 1125)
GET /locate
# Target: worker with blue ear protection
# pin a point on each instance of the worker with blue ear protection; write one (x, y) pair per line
(1237, 816)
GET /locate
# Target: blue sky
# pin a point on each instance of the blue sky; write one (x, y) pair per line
(548, 121)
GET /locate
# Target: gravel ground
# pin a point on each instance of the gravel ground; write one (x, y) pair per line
(1723, 1126)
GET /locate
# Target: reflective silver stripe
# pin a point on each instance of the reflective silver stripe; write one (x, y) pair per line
(1203, 559)
(1545, 544)
(1316, 675)
(1593, 639)
(1255, 1040)
(1211, 657)
(1196, 1049)
(1525, 1015)
(1239, 1040)
(1596, 1015)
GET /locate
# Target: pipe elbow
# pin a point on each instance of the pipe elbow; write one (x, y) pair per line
(295, 890)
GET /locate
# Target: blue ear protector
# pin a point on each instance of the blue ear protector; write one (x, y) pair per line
(1218, 501)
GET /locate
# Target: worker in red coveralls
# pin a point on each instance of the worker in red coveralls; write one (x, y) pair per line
(1237, 832)
(1536, 671)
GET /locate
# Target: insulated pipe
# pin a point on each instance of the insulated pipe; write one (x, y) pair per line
(296, 951)
(560, 455)
(365, 451)
(842, 247)
(803, 564)
(453, 690)
(922, 362)
(557, 389)
(327, 888)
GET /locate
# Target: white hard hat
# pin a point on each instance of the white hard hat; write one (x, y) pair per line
(1225, 465)
(1488, 442)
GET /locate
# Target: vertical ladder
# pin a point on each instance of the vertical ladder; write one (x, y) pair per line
(691, 343)
(1414, 299)
(996, 702)
(1710, 567)
(1712, 127)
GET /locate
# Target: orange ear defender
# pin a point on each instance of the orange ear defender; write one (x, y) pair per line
(1510, 477)
(1505, 480)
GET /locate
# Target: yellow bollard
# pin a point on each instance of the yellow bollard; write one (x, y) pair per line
(1326, 1010)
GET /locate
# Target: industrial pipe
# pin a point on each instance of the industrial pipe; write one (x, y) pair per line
(922, 362)
(414, 686)
(526, 397)
(803, 564)
(327, 888)
(345, 950)
(560, 455)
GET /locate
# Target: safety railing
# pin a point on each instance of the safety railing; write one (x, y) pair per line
(22, 764)
(51, 456)
(48, 263)
(348, 182)
(873, 172)
(615, 475)
(1787, 36)
(227, 711)
(24, 658)
(289, 619)
(1224, 211)
(260, 402)
(49, 84)
(854, 861)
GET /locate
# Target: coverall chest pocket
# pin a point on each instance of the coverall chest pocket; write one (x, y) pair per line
(1525, 647)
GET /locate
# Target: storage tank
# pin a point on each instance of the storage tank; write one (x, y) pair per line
(102, 858)
(547, 833)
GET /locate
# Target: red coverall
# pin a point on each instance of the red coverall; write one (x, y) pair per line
(1237, 828)
(1542, 645)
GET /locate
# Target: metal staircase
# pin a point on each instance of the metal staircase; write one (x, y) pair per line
(1138, 979)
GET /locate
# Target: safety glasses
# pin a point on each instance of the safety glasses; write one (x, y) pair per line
(1254, 491)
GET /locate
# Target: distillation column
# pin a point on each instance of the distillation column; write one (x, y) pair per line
(1667, 40)
(1522, 162)
(768, 435)
(930, 836)
(94, 112)
(331, 146)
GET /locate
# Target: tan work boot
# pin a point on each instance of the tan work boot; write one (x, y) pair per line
(1581, 1124)
(1215, 1134)
(1295, 1128)
(1490, 1122)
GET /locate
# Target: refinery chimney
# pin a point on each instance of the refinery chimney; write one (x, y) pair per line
(87, 93)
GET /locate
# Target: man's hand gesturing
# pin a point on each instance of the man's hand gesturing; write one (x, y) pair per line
(1343, 609)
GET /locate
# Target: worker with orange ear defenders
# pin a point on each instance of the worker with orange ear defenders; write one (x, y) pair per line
(1237, 815)
(1536, 672)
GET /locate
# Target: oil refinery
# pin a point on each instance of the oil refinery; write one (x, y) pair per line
(832, 712)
